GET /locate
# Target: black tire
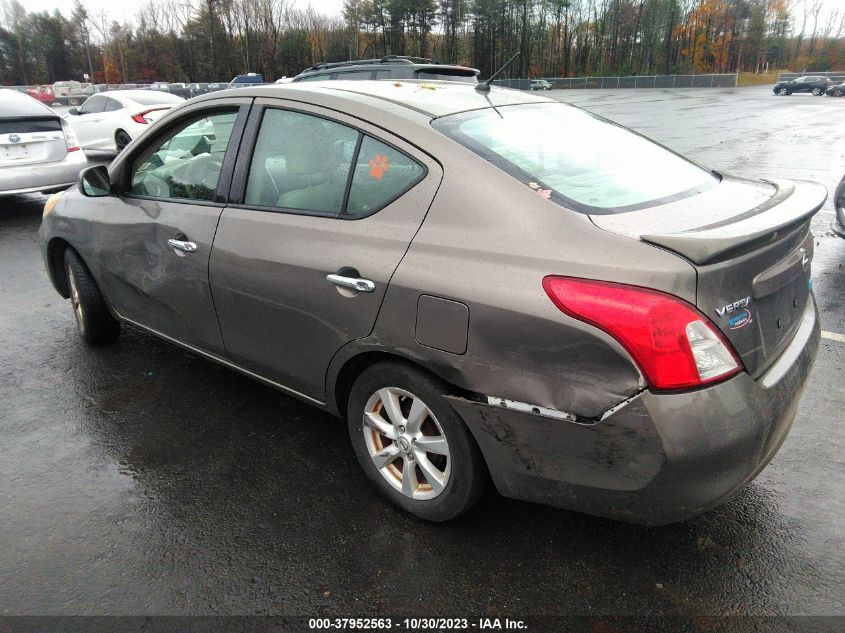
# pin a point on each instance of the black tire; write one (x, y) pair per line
(468, 473)
(817, 92)
(94, 321)
(121, 140)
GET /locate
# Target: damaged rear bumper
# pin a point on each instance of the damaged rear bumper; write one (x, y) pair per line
(661, 458)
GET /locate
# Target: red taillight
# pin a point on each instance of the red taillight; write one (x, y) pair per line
(141, 117)
(674, 345)
(70, 137)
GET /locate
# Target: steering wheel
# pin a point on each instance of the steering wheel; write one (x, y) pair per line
(154, 186)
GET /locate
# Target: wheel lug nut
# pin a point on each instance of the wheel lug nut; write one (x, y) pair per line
(401, 429)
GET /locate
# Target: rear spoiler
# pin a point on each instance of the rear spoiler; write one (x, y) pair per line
(794, 202)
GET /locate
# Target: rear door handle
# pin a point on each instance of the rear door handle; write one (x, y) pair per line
(182, 245)
(352, 283)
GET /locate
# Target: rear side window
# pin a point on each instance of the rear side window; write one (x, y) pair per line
(112, 105)
(382, 174)
(301, 162)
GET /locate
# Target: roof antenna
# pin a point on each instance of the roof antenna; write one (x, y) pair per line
(485, 87)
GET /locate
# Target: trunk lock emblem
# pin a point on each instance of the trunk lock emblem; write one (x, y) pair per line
(14, 138)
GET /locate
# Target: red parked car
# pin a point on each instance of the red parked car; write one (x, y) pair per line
(44, 94)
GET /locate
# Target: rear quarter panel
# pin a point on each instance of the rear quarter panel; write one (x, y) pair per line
(487, 242)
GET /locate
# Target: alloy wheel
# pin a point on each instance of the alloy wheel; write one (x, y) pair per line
(406, 443)
(75, 301)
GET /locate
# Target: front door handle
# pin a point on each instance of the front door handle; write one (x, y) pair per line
(182, 245)
(352, 283)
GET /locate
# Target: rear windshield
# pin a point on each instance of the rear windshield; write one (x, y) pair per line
(30, 126)
(16, 104)
(575, 158)
(154, 97)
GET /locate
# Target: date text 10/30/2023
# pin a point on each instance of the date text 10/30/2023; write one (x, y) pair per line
(415, 624)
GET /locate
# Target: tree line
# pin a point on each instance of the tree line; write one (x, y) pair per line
(213, 40)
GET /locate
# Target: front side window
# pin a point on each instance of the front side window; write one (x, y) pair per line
(300, 162)
(187, 164)
(575, 158)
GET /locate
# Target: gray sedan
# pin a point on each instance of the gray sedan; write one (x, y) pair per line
(488, 285)
(38, 149)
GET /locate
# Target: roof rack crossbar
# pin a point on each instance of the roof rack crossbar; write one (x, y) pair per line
(383, 60)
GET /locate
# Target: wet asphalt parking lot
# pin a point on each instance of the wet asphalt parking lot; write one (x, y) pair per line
(140, 479)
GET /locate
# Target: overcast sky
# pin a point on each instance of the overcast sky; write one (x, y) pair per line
(117, 9)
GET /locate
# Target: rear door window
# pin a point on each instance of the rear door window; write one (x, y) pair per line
(112, 105)
(301, 162)
(307, 164)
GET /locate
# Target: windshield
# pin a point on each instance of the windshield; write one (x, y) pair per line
(575, 158)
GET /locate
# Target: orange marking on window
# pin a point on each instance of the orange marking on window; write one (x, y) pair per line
(378, 166)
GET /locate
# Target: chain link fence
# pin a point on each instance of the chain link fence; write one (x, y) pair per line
(727, 80)
(834, 75)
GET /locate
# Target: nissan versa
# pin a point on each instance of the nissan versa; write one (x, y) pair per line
(486, 283)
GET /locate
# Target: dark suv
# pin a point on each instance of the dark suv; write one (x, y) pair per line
(810, 83)
(389, 67)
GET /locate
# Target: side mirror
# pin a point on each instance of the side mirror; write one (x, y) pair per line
(94, 181)
(73, 111)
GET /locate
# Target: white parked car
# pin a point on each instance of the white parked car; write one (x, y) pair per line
(110, 120)
(38, 150)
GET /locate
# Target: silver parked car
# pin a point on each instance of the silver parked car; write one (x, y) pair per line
(485, 283)
(838, 225)
(38, 150)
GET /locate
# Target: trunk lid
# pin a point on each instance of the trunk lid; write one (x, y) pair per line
(751, 246)
(29, 140)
